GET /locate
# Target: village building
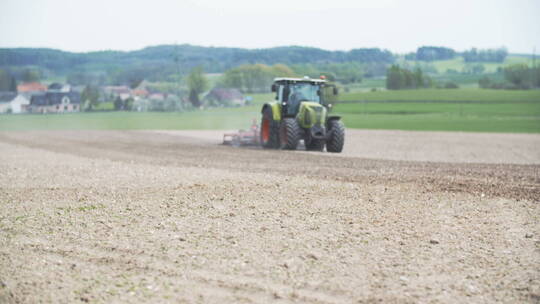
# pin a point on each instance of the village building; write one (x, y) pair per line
(31, 87)
(11, 102)
(78, 88)
(224, 97)
(157, 96)
(59, 88)
(20, 104)
(113, 92)
(55, 102)
(141, 90)
(140, 93)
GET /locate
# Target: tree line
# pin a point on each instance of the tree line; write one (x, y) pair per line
(8, 83)
(433, 53)
(488, 55)
(516, 77)
(254, 78)
(172, 63)
(345, 73)
(165, 62)
(398, 78)
(9, 78)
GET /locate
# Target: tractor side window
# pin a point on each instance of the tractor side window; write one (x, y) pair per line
(280, 93)
(327, 95)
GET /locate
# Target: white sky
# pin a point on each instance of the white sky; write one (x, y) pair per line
(400, 26)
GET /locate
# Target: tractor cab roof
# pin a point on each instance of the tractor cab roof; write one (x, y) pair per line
(295, 80)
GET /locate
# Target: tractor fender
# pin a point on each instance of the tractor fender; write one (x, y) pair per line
(333, 118)
(328, 120)
(276, 111)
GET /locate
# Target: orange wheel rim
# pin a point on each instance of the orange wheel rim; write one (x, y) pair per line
(265, 130)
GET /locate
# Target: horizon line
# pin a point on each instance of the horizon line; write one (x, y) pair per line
(252, 49)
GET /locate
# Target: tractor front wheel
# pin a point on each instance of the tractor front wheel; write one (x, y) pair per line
(337, 136)
(289, 134)
(313, 144)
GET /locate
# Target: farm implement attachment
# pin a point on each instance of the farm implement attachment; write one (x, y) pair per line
(248, 137)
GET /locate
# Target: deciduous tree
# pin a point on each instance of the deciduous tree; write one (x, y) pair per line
(197, 83)
(90, 97)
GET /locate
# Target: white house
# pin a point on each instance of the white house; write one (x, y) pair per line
(20, 103)
(11, 102)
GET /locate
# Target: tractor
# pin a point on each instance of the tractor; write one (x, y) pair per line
(301, 112)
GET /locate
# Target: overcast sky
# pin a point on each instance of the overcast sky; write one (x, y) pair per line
(400, 26)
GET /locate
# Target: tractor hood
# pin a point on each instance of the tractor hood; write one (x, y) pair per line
(311, 114)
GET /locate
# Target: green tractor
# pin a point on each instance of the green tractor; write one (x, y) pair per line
(301, 112)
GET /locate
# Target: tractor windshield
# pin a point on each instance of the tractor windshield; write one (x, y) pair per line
(301, 92)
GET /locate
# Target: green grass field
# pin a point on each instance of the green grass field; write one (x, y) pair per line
(441, 110)
(229, 118)
(367, 84)
(446, 95)
(215, 118)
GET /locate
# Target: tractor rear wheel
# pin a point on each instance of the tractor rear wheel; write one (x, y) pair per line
(269, 130)
(289, 134)
(337, 137)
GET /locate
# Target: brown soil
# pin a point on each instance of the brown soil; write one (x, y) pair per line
(449, 147)
(125, 216)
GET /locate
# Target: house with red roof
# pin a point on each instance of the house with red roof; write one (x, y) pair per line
(224, 97)
(29, 87)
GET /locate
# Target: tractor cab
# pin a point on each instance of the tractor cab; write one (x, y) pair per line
(290, 92)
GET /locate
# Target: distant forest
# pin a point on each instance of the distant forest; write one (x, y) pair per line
(169, 63)
(155, 62)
